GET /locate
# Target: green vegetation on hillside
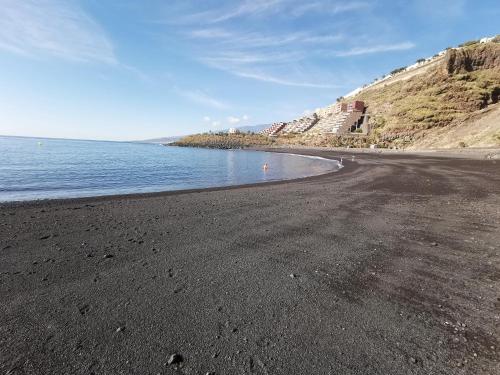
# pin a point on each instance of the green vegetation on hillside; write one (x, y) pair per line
(408, 107)
(464, 82)
(224, 140)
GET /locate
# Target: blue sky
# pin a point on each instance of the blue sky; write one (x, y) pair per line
(127, 70)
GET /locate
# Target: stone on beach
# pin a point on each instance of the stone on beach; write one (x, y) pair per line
(175, 359)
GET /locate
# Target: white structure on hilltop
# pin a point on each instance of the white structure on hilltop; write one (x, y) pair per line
(411, 67)
(486, 40)
(233, 131)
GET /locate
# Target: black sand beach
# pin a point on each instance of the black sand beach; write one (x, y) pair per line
(391, 266)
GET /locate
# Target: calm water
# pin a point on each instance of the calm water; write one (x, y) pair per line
(33, 168)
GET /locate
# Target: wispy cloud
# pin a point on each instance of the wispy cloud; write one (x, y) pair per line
(282, 81)
(201, 97)
(254, 40)
(233, 120)
(328, 7)
(225, 59)
(357, 51)
(237, 37)
(245, 8)
(251, 67)
(53, 27)
(210, 33)
(269, 8)
(442, 9)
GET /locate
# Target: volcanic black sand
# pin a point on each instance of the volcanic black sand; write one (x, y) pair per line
(391, 266)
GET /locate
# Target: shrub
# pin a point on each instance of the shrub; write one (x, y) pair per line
(398, 70)
(420, 61)
(496, 39)
(462, 144)
(469, 43)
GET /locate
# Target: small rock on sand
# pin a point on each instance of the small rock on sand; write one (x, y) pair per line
(175, 359)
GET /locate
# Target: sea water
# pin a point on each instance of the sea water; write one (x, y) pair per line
(36, 168)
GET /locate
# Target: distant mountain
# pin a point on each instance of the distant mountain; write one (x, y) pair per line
(161, 140)
(243, 129)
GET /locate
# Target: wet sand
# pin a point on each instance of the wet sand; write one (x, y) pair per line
(390, 266)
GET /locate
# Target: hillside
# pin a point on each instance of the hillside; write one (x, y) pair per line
(224, 140)
(451, 95)
(447, 101)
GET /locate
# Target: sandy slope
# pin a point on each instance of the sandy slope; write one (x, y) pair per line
(480, 130)
(391, 266)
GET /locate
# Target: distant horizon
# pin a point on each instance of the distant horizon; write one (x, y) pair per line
(87, 139)
(122, 141)
(126, 71)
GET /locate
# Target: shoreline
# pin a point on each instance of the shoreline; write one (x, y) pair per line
(37, 202)
(377, 268)
(489, 153)
(306, 151)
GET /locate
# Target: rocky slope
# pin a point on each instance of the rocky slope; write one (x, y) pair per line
(449, 101)
(455, 92)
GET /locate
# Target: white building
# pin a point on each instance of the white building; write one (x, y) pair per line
(233, 131)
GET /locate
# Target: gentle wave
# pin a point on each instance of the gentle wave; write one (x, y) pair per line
(58, 168)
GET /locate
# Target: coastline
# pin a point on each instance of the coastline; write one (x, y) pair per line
(25, 203)
(376, 268)
(329, 153)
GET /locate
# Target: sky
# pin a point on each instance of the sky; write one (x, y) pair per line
(132, 70)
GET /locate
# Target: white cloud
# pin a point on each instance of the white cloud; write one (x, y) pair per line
(328, 7)
(224, 59)
(202, 98)
(246, 8)
(267, 8)
(307, 112)
(442, 9)
(206, 119)
(357, 51)
(210, 34)
(215, 124)
(233, 120)
(245, 118)
(53, 27)
(234, 40)
(282, 81)
(280, 55)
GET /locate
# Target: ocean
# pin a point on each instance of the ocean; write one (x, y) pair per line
(37, 168)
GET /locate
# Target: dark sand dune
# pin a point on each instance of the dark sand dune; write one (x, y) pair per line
(391, 266)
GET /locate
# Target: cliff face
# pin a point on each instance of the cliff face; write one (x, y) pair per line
(465, 82)
(469, 59)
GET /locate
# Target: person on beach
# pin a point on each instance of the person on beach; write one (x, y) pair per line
(265, 167)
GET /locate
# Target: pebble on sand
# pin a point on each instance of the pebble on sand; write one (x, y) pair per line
(175, 359)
